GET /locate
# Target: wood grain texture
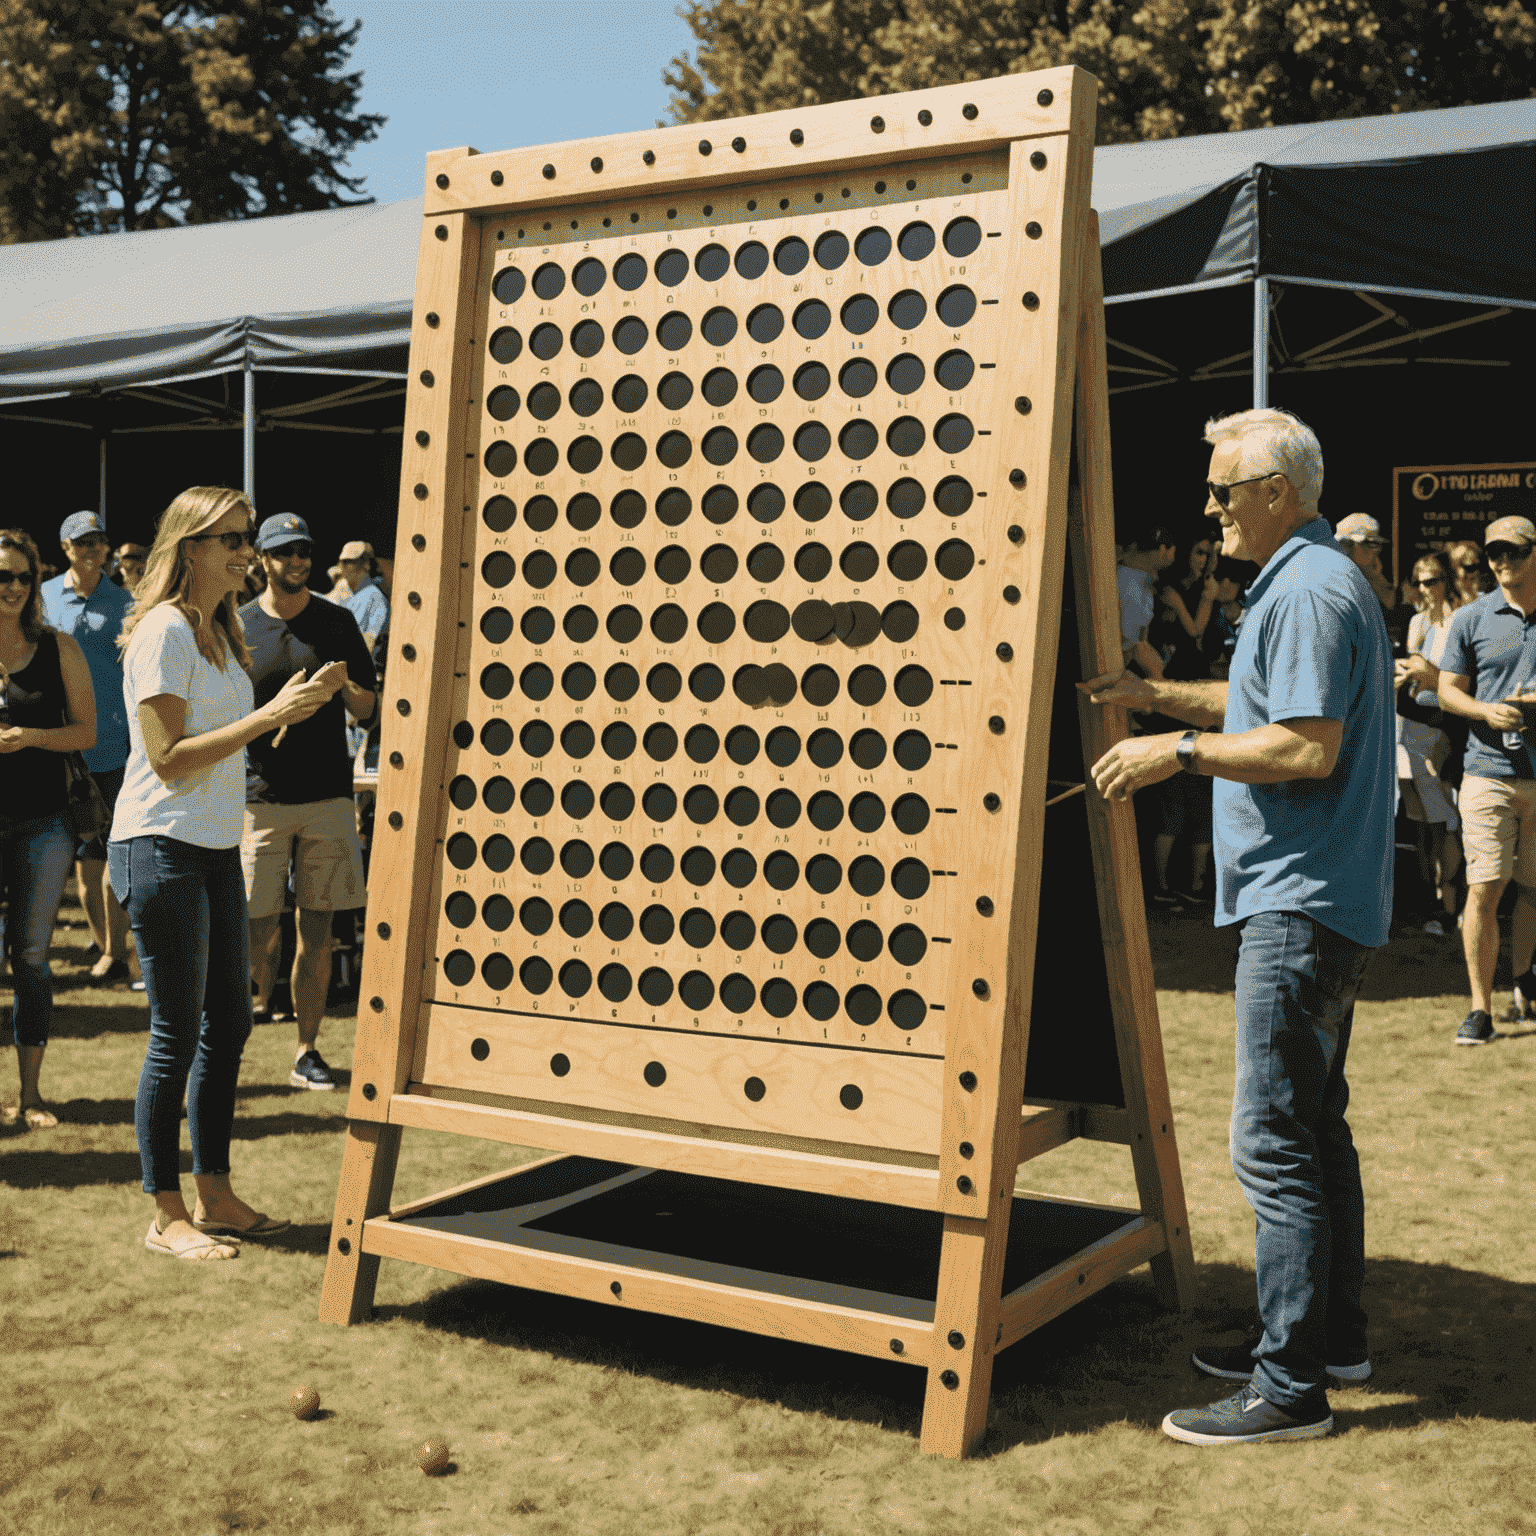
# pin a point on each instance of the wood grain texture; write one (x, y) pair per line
(779, 1317)
(835, 137)
(368, 1162)
(1112, 827)
(423, 639)
(712, 1158)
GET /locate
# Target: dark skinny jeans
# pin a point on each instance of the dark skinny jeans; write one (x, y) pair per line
(186, 905)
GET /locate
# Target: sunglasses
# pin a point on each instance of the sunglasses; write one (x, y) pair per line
(244, 538)
(1431, 581)
(20, 578)
(1514, 553)
(299, 549)
(1220, 491)
(91, 541)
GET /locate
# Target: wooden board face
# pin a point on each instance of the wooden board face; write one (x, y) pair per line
(751, 478)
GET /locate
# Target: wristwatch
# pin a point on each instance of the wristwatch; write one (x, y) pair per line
(1186, 751)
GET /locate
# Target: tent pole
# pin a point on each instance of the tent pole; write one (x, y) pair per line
(1260, 342)
(248, 433)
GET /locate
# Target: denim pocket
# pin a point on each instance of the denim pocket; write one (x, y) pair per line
(117, 872)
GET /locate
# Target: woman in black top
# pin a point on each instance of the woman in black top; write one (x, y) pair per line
(47, 708)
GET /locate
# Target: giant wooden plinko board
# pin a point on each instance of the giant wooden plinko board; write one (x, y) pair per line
(727, 735)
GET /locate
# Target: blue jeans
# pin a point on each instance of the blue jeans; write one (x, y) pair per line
(1292, 1151)
(186, 905)
(35, 860)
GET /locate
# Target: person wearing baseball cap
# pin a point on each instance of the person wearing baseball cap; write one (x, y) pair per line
(368, 604)
(299, 815)
(83, 604)
(1359, 536)
(1488, 677)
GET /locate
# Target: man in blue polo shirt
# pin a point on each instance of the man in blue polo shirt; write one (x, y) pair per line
(1305, 771)
(81, 603)
(1489, 662)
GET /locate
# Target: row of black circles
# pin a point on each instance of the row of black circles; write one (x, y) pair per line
(701, 744)
(856, 624)
(811, 319)
(866, 812)
(766, 503)
(781, 870)
(858, 439)
(713, 262)
(738, 930)
(905, 374)
(719, 564)
(738, 994)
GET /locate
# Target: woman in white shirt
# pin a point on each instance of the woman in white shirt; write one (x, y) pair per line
(174, 858)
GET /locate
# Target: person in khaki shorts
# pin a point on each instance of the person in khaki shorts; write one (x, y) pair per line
(1487, 669)
(299, 811)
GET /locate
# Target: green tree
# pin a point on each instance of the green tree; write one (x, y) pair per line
(138, 114)
(1165, 67)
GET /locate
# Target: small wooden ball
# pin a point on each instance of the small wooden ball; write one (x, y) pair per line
(305, 1402)
(432, 1455)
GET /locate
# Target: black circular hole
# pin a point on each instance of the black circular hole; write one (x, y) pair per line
(764, 384)
(850, 1096)
(832, 250)
(755, 1089)
(719, 386)
(907, 310)
(508, 285)
(858, 378)
(752, 258)
(712, 263)
(916, 241)
(791, 255)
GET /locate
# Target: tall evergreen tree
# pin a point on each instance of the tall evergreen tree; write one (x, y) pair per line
(1165, 67)
(137, 114)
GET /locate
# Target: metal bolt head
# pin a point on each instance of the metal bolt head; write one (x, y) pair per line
(1015, 533)
(1037, 160)
(1010, 594)
(877, 125)
(383, 930)
(1031, 301)
(1033, 230)
(967, 1150)
(1016, 478)
(897, 1346)
(418, 541)
(739, 144)
(796, 137)
(950, 1380)
(1023, 405)
(980, 987)
(549, 173)
(956, 1339)
(597, 162)
(992, 801)
(396, 820)
(925, 117)
(1004, 651)
(984, 906)
(968, 111)
(649, 157)
(442, 181)
(968, 1081)
(996, 725)
(705, 146)
(1045, 98)
(497, 178)
(963, 1184)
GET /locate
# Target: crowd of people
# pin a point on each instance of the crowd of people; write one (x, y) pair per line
(1465, 782)
(178, 727)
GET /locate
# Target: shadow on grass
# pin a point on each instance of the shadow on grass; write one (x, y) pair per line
(1455, 1342)
(1189, 954)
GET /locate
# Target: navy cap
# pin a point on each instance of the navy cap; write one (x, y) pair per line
(285, 528)
(78, 524)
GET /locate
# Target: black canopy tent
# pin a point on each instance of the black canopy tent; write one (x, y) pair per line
(1376, 275)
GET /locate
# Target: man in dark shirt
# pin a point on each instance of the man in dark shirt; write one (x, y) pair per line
(299, 812)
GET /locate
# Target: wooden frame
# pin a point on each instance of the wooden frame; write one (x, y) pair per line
(879, 1051)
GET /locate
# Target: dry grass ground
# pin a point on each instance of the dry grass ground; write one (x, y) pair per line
(143, 1395)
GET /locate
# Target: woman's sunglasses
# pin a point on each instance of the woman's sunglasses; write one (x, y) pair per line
(1221, 490)
(244, 538)
(20, 578)
(1430, 581)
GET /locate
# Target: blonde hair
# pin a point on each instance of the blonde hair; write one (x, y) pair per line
(167, 574)
(1275, 441)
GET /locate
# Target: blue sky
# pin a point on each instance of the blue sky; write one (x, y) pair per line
(499, 74)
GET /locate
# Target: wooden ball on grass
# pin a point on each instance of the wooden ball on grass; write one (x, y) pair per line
(305, 1402)
(432, 1456)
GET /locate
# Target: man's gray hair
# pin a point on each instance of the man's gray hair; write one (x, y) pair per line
(1276, 441)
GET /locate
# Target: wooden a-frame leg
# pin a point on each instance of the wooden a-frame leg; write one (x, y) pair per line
(965, 1328)
(367, 1180)
(1112, 827)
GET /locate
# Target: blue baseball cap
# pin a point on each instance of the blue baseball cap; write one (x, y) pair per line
(285, 528)
(78, 524)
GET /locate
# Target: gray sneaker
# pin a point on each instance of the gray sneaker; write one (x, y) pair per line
(309, 1071)
(1245, 1417)
(1476, 1029)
